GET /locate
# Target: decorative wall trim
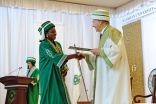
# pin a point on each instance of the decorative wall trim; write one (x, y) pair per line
(139, 14)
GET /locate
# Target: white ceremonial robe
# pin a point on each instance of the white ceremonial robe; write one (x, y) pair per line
(112, 81)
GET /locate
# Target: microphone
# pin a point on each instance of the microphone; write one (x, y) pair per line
(14, 71)
(19, 70)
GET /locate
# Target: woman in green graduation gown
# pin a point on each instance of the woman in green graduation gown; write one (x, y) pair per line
(53, 68)
(33, 87)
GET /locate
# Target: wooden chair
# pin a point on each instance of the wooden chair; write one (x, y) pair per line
(146, 96)
(131, 80)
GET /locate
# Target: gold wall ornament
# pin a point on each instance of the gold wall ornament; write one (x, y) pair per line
(134, 68)
(133, 45)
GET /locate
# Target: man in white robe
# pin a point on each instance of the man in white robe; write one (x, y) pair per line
(110, 64)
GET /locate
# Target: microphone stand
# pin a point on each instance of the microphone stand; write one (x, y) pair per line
(14, 71)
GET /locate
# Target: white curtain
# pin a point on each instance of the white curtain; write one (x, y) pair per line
(121, 11)
(18, 41)
(52, 5)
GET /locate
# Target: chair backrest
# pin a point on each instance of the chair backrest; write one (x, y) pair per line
(154, 89)
(146, 96)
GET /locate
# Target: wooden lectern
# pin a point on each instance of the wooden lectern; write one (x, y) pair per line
(16, 89)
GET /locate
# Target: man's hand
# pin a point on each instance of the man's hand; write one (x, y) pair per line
(96, 51)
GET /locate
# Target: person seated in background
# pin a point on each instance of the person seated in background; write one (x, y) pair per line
(33, 87)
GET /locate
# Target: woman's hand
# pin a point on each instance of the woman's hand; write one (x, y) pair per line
(64, 72)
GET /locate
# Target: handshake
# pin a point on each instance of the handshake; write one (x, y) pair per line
(79, 56)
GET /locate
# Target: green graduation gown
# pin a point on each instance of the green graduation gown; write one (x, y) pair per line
(33, 87)
(52, 84)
